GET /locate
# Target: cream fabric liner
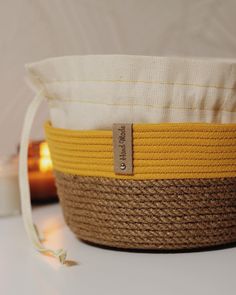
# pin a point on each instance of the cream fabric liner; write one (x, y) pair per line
(94, 91)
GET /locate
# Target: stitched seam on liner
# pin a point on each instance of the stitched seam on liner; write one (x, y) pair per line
(138, 105)
(138, 81)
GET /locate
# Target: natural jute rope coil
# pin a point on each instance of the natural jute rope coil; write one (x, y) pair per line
(149, 214)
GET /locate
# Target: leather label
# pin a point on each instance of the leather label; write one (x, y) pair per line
(123, 148)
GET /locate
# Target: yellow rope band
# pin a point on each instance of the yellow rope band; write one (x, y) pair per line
(160, 151)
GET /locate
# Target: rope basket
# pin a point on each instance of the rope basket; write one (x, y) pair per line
(181, 195)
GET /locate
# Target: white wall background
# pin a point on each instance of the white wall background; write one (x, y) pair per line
(31, 30)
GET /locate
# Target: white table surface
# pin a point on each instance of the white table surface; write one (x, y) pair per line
(102, 271)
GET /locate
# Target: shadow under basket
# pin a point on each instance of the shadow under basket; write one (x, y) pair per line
(182, 194)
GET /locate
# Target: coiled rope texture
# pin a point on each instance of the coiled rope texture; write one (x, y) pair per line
(149, 214)
(157, 212)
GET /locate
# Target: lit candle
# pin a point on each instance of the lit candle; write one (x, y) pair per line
(45, 162)
(9, 187)
(42, 184)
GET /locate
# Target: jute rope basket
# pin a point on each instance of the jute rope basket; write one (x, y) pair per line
(181, 195)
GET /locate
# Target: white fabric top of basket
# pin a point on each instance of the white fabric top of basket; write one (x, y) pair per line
(95, 91)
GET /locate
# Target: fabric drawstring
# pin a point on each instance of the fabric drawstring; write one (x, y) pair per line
(31, 229)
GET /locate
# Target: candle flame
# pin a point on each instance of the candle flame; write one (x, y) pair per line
(45, 163)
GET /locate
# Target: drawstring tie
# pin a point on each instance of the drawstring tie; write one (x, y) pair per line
(31, 229)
